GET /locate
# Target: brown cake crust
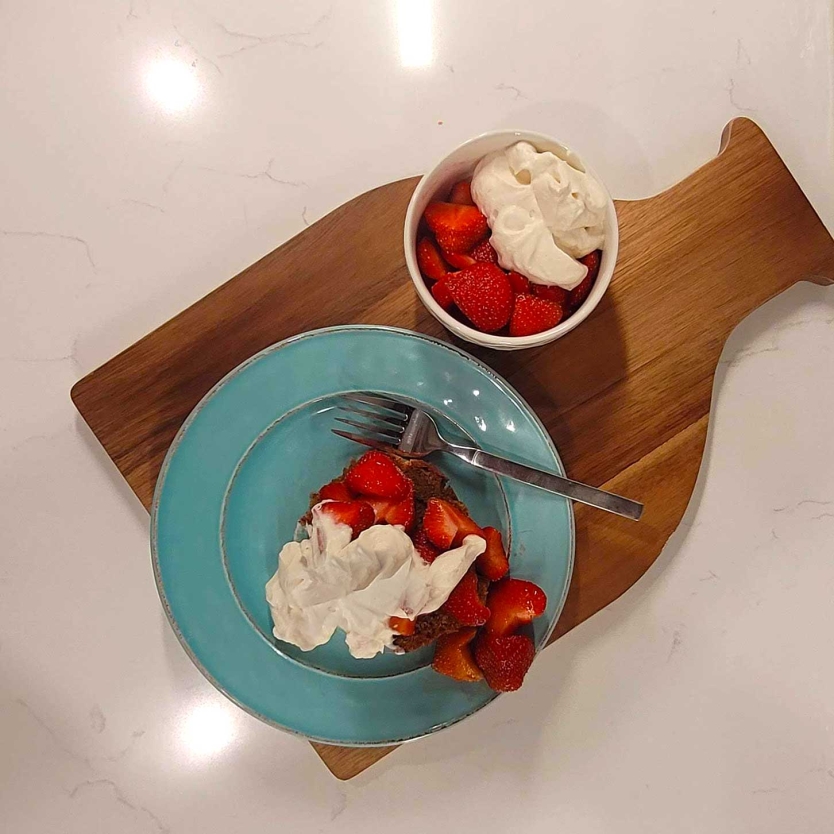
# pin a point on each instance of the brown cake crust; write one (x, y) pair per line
(429, 482)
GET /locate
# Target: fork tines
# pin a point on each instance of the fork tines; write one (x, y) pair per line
(381, 429)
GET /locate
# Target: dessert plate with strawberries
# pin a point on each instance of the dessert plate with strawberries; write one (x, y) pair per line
(355, 597)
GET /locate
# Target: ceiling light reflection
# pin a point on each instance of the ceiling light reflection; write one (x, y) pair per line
(207, 729)
(414, 29)
(171, 84)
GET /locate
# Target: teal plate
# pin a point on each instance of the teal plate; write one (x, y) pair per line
(238, 476)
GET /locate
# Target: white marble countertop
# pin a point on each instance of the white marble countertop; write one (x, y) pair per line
(153, 148)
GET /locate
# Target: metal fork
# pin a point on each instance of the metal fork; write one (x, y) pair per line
(392, 425)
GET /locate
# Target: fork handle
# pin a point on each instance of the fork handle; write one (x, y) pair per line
(552, 483)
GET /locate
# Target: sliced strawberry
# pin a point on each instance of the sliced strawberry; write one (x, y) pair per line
(484, 253)
(504, 661)
(579, 293)
(453, 656)
(402, 626)
(466, 527)
(375, 474)
(514, 602)
(457, 228)
(464, 604)
(336, 491)
(518, 282)
(592, 260)
(493, 562)
(533, 315)
(459, 261)
(358, 515)
(430, 260)
(445, 526)
(395, 510)
(442, 294)
(440, 523)
(484, 295)
(462, 193)
(424, 547)
(551, 292)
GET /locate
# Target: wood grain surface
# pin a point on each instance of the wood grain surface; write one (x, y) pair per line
(625, 396)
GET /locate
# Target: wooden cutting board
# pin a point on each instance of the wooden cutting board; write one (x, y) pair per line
(626, 396)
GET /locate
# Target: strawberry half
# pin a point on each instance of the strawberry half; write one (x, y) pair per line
(493, 562)
(336, 491)
(551, 292)
(518, 282)
(459, 261)
(457, 228)
(484, 253)
(579, 293)
(453, 656)
(464, 604)
(513, 602)
(358, 515)
(533, 315)
(445, 526)
(504, 661)
(428, 552)
(376, 475)
(462, 193)
(440, 523)
(395, 510)
(484, 295)
(429, 260)
(442, 294)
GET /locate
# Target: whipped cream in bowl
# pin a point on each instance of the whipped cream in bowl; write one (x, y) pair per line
(546, 208)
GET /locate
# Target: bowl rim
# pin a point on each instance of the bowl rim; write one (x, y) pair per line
(470, 334)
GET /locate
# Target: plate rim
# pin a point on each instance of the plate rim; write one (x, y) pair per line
(172, 449)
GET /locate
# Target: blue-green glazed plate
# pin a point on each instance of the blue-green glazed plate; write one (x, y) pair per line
(238, 476)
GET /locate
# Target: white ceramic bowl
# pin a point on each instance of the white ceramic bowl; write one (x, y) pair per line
(460, 164)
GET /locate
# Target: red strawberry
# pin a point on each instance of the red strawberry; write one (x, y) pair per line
(424, 547)
(519, 283)
(430, 261)
(375, 474)
(592, 260)
(484, 295)
(358, 515)
(533, 315)
(440, 523)
(453, 656)
(484, 253)
(466, 527)
(551, 292)
(579, 293)
(504, 661)
(457, 228)
(493, 562)
(395, 510)
(402, 626)
(445, 525)
(402, 512)
(462, 193)
(514, 602)
(442, 294)
(336, 491)
(459, 261)
(464, 604)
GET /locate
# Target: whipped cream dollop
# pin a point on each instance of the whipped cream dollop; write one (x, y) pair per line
(327, 582)
(544, 213)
